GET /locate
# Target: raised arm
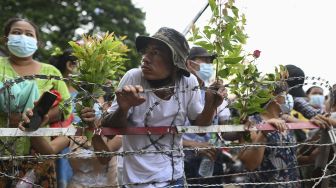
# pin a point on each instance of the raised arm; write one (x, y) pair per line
(126, 97)
(101, 143)
(45, 147)
(252, 157)
(213, 98)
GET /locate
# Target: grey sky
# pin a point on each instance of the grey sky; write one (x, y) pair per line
(299, 32)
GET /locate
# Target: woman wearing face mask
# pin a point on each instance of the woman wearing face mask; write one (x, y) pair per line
(281, 160)
(21, 38)
(316, 97)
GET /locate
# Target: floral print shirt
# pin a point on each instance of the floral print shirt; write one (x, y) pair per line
(280, 163)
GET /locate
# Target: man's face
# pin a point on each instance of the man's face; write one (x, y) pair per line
(195, 64)
(156, 63)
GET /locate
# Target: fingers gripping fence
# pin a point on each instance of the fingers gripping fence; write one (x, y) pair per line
(171, 129)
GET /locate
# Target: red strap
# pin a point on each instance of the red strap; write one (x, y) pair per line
(169, 130)
(58, 99)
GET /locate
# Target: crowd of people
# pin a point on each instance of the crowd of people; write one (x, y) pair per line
(153, 95)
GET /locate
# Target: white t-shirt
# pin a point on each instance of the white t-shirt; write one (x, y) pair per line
(157, 167)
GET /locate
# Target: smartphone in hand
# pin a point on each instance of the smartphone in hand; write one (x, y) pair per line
(40, 110)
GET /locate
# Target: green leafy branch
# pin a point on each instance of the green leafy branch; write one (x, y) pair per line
(101, 59)
(225, 36)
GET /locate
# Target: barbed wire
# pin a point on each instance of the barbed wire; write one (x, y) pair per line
(315, 81)
(19, 179)
(218, 176)
(227, 184)
(10, 82)
(324, 171)
(77, 154)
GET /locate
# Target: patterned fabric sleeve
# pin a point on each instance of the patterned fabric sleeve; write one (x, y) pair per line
(302, 106)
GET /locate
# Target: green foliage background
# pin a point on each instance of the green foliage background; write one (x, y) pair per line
(59, 19)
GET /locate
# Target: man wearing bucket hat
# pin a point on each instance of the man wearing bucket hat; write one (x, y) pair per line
(200, 64)
(295, 83)
(160, 93)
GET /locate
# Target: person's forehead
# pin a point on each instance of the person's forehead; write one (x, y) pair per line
(206, 59)
(317, 90)
(22, 25)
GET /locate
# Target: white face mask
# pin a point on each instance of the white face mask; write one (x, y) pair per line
(333, 115)
(317, 100)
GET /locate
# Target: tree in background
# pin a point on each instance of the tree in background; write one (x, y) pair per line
(63, 21)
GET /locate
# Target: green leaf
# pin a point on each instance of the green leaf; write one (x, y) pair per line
(228, 30)
(229, 19)
(253, 110)
(240, 36)
(213, 7)
(204, 44)
(207, 31)
(232, 60)
(224, 73)
(235, 10)
(264, 93)
(260, 100)
(227, 45)
(237, 105)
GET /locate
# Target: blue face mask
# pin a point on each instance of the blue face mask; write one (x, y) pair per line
(205, 72)
(22, 45)
(287, 107)
(317, 100)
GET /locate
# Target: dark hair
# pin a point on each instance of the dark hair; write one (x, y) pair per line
(11, 21)
(295, 81)
(59, 61)
(311, 88)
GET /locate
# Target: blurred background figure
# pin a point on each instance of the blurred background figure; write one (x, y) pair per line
(316, 97)
(66, 63)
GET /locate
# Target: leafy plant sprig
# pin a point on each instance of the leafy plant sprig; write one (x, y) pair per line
(225, 36)
(101, 59)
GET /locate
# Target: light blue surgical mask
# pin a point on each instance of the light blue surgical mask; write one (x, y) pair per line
(289, 101)
(205, 72)
(317, 100)
(287, 107)
(22, 45)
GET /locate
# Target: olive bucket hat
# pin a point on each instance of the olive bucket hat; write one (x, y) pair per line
(176, 42)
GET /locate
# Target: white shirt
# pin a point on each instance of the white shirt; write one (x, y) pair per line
(150, 166)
